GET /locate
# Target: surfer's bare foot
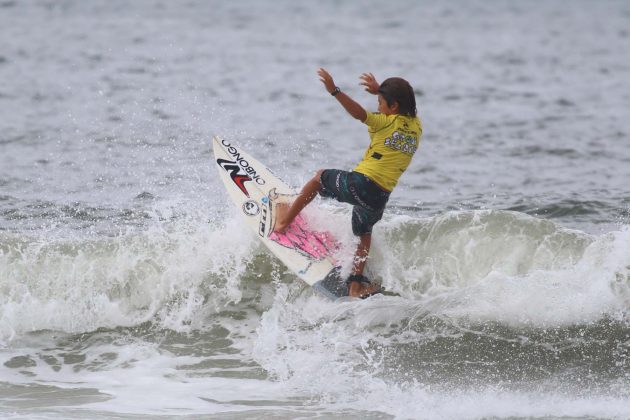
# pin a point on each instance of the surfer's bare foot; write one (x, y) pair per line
(281, 211)
(362, 289)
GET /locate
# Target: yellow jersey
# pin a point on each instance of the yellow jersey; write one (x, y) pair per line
(393, 141)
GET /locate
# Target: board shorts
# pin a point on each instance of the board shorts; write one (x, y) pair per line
(367, 197)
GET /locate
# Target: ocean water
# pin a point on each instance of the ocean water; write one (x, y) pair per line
(130, 289)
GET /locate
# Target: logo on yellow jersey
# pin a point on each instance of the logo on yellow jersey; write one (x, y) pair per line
(402, 143)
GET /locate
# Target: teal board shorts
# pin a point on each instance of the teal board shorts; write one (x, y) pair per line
(366, 196)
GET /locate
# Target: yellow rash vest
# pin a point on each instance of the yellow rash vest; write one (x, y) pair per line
(393, 141)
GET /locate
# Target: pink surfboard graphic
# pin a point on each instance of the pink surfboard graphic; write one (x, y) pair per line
(312, 244)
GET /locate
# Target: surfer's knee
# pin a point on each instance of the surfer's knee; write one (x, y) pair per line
(312, 187)
(318, 176)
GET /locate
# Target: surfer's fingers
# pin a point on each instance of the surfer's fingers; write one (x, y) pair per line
(370, 83)
(323, 73)
(368, 77)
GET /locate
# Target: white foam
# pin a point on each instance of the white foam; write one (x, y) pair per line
(171, 272)
(487, 265)
(506, 267)
(325, 355)
(334, 355)
(141, 379)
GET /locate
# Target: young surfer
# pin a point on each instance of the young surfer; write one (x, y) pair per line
(395, 132)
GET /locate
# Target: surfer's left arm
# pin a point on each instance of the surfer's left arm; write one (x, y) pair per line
(346, 101)
(369, 81)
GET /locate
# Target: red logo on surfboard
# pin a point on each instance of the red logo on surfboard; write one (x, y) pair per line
(235, 173)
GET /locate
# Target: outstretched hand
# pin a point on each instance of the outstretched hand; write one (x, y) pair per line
(327, 80)
(346, 101)
(369, 81)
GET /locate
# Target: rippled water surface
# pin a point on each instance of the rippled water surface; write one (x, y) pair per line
(129, 288)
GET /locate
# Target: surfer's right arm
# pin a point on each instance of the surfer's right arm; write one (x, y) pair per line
(346, 101)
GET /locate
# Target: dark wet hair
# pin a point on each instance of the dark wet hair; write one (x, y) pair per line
(396, 89)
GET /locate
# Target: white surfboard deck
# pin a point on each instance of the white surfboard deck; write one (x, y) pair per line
(255, 191)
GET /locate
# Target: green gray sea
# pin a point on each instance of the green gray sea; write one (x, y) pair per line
(131, 289)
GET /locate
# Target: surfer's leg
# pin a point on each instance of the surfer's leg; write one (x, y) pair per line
(361, 254)
(361, 287)
(286, 213)
(363, 220)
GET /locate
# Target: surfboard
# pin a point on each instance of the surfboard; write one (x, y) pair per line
(256, 191)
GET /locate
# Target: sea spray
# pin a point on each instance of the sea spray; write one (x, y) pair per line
(78, 284)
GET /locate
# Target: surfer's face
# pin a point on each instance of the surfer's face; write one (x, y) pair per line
(384, 108)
